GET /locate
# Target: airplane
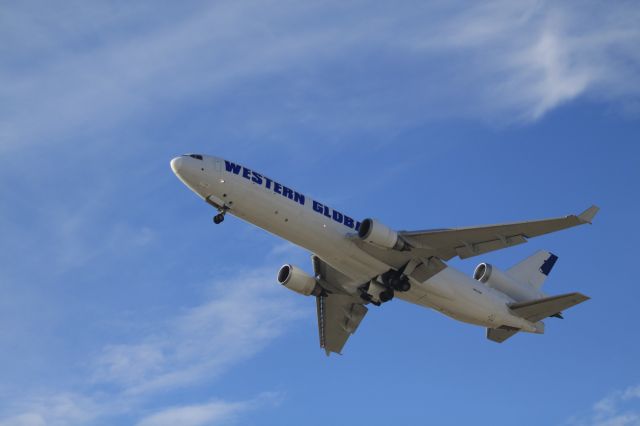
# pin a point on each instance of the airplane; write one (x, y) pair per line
(359, 263)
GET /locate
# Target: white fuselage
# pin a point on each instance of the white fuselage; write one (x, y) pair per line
(328, 233)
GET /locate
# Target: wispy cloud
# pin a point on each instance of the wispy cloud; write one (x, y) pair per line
(211, 413)
(619, 408)
(290, 251)
(53, 410)
(536, 55)
(248, 312)
(244, 314)
(336, 64)
(74, 409)
(194, 415)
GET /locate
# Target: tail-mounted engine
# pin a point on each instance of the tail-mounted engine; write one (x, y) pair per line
(297, 280)
(373, 232)
(505, 283)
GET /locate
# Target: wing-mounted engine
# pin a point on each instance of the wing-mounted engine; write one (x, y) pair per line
(505, 283)
(297, 280)
(373, 232)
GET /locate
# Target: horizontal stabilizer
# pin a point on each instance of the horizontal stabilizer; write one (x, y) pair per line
(540, 309)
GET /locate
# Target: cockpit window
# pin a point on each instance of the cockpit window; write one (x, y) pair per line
(196, 156)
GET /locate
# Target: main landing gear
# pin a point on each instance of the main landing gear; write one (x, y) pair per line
(386, 295)
(383, 290)
(395, 280)
(375, 293)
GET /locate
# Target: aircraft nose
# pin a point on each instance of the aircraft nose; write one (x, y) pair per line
(177, 164)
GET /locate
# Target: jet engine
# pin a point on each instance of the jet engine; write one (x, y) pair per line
(505, 283)
(373, 232)
(297, 280)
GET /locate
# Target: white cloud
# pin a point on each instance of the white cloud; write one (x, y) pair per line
(529, 57)
(242, 315)
(27, 419)
(289, 251)
(73, 409)
(56, 410)
(631, 393)
(211, 413)
(193, 415)
(619, 408)
(333, 65)
(245, 313)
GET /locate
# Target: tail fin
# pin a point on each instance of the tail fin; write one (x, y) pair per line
(534, 269)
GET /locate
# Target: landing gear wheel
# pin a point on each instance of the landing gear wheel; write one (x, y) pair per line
(218, 218)
(404, 286)
(386, 295)
(400, 284)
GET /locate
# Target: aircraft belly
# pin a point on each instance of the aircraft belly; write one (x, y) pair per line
(306, 229)
(458, 296)
(415, 295)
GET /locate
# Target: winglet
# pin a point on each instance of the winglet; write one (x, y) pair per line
(588, 215)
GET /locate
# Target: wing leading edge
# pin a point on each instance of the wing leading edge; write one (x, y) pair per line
(472, 241)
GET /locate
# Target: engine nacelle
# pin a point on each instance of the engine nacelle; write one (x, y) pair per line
(505, 283)
(297, 280)
(373, 232)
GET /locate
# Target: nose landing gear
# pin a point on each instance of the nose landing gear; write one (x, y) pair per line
(221, 207)
(217, 219)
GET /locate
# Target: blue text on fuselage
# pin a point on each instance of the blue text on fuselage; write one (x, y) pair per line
(289, 193)
(258, 179)
(335, 215)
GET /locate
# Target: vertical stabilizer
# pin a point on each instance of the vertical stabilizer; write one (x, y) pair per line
(534, 269)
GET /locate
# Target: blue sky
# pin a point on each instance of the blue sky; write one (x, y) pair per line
(123, 304)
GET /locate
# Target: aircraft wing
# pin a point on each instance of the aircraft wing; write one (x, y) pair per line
(338, 318)
(339, 314)
(472, 241)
